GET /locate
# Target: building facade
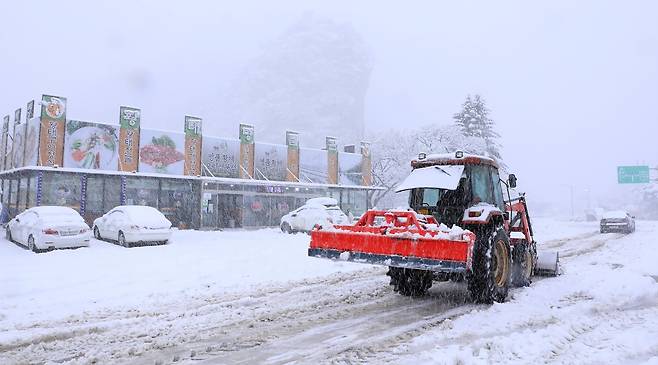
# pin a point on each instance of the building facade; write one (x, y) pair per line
(197, 181)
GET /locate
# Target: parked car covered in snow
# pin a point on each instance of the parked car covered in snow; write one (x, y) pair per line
(315, 211)
(130, 224)
(617, 221)
(49, 227)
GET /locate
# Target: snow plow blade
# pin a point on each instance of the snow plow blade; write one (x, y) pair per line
(398, 239)
(548, 263)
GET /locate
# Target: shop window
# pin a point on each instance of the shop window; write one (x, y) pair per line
(142, 191)
(22, 195)
(32, 192)
(61, 189)
(177, 202)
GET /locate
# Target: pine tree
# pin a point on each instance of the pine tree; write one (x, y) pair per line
(474, 121)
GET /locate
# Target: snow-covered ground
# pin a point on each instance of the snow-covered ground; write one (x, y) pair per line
(254, 297)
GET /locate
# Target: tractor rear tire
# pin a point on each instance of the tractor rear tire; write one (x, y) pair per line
(522, 264)
(410, 282)
(491, 273)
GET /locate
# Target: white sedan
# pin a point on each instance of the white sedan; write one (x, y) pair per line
(316, 211)
(49, 227)
(130, 224)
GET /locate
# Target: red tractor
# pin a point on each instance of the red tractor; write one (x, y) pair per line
(490, 244)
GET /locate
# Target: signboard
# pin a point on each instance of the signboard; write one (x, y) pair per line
(312, 165)
(51, 140)
(332, 160)
(350, 168)
(633, 174)
(247, 151)
(271, 161)
(18, 146)
(192, 146)
(292, 141)
(161, 152)
(129, 127)
(32, 142)
(221, 156)
(29, 112)
(91, 146)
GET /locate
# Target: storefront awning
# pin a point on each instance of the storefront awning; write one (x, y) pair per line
(437, 177)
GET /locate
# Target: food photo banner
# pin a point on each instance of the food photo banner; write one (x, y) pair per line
(93, 146)
(129, 129)
(4, 141)
(8, 155)
(32, 142)
(192, 146)
(221, 157)
(18, 151)
(51, 139)
(161, 152)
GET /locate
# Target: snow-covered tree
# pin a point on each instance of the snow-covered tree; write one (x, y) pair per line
(473, 120)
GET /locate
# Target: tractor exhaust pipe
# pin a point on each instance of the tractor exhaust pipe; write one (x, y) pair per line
(548, 263)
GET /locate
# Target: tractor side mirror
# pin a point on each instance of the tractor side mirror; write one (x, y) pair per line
(512, 181)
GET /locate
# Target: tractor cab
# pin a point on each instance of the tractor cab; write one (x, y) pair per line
(446, 185)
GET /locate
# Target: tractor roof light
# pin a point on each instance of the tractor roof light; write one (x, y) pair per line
(422, 156)
(459, 154)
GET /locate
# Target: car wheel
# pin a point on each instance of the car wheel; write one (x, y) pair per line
(97, 233)
(122, 240)
(8, 235)
(285, 228)
(30, 244)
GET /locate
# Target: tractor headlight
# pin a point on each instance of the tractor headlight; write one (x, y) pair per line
(459, 154)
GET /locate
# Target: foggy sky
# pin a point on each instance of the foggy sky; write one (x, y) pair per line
(572, 85)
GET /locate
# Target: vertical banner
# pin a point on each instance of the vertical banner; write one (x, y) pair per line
(20, 131)
(51, 136)
(4, 141)
(39, 187)
(129, 121)
(123, 190)
(292, 141)
(366, 163)
(193, 142)
(332, 160)
(29, 112)
(247, 150)
(83, 195)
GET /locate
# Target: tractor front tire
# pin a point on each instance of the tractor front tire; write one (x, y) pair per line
(490, 275)
(522, 264)
(410, 282)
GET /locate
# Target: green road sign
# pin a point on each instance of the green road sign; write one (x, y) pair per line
(633, 174)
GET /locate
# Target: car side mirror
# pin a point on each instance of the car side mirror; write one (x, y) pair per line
(511, 181)
(18, 220)
(633, 216)
(293, 215)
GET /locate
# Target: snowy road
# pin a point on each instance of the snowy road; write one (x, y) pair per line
(197, 301)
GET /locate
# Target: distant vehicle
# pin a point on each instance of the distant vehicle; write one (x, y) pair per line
(129, 224)
(49, 227)
(316, 211)
(617, 221)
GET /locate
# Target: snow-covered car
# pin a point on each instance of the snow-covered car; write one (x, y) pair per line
(617, 221)
(129, 224)
(316, 211)
(49, 227)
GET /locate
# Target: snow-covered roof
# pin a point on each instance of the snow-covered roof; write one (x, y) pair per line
(615, 214)
(53, 210)
(437, 177)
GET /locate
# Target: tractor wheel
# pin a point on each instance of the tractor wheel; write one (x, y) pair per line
(522, 264)
(410, 282)
(490, 274)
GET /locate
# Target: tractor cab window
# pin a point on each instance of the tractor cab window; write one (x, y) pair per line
(498, 190)
(447, 206)
(481, 185)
